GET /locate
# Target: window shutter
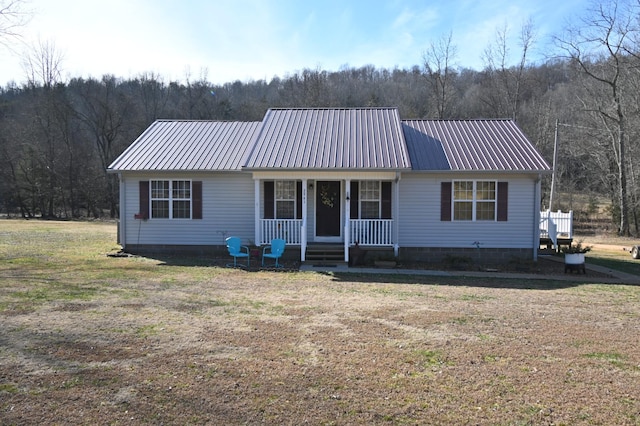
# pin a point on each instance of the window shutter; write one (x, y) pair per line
(144, 199)
(299, 200)
(386, 200)
(355, 199)
(196, 194)
(503, 201)
(269, 196)
(445, 201)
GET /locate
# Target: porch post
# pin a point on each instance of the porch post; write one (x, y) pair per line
(396, 214)
(303, 230)
(122, 214)
(347, 217)
(257, 234)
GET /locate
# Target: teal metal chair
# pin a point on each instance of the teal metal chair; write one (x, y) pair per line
(237, 250)
(274, 250)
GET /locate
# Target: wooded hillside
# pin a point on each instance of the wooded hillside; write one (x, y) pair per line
(58, 137)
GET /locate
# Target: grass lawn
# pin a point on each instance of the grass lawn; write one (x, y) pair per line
(91, 339)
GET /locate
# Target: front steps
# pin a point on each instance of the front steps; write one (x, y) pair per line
(325, 254)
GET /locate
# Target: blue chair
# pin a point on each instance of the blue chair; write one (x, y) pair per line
(237, 250)
(274, 250)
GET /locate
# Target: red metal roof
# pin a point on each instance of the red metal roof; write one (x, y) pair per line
(470, 145)
(330, 138)
(174, 145)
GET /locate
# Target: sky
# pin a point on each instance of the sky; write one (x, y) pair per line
(223, 41)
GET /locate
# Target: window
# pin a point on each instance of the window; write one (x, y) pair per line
(285, 196)
(171, 199)
(474, 200)
(369, 199)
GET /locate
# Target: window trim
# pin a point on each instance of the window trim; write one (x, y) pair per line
(361, 199)
(474, 200)
(171, 199)
(276, 199)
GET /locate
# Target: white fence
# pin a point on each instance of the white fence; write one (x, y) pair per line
(556, 225)
(287, 229)
(371, 232)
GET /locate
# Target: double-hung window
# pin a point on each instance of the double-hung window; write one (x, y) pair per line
(369, 199)
(171, 199)
(474, 200)
(285, 199)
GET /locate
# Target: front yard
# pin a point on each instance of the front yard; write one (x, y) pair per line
(91, 339)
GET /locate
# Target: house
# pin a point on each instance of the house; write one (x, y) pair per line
(424, 188)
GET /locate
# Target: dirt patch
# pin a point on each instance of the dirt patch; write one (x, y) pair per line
(92, 339)
(271, 348)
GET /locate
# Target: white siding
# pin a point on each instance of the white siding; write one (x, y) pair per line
(227, 209)
(420, 224)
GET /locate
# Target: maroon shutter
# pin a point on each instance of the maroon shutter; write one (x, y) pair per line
(355, 202)
(445, 201)
(269, 194)
(196, 195)
(503, 201)
(386, 200)
(299, 200)
(144, 199)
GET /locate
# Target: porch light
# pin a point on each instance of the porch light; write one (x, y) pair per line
(311, 186)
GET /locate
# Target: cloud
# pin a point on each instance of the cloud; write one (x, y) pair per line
(257, 39)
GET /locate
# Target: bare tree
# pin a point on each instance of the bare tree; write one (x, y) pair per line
(103, 109)
(599, 47)
(438, 63)
(42, 63)
(13, 16)
(45, 141)
(507, 81)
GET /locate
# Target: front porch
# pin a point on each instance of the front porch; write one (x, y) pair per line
(334, 210)
(364, 232)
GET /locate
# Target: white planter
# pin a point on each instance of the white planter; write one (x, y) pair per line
(574, 258)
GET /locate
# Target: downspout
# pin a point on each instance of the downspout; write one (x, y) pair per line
(536, 217)
(122, 219)
(396, 214)
(257, 231)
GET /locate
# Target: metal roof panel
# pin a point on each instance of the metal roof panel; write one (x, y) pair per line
(188, 145)
(336, 138)
(470, 145)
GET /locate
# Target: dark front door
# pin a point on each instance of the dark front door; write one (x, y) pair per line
(328, 209)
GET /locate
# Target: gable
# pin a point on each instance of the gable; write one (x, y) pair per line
(336, 138)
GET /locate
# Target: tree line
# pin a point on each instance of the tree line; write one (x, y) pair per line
(58, 137)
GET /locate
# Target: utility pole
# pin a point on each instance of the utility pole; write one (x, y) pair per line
(555, 161)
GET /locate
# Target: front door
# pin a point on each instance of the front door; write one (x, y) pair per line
(328, 210)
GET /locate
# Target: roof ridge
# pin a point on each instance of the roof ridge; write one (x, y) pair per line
(188, 120)
(329, 108)
(457, 119)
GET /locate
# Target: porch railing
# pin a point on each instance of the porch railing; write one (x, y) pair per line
(371, 232)
(562, 222)
(287, 229)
